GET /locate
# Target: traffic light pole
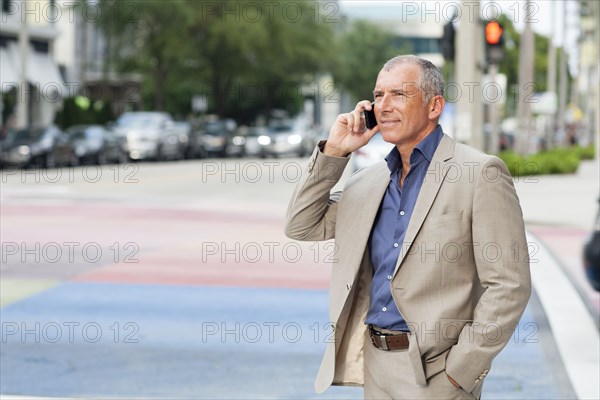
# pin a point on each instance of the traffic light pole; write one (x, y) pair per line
(494, 139)
(551, 79)
(22, 110)
(525, 90)
(469, 59)
(494, 56)
(562, 84)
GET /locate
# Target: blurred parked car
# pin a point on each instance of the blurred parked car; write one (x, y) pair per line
(38, 147)
(183, 130)
(236, 142)
(149, 135)
(96, 145)
(4, 132)
(256, 141)
(372, 152)
(290, 138)
(212, 137)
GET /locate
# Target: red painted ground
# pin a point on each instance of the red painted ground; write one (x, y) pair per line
(567, 245)
(175, 246)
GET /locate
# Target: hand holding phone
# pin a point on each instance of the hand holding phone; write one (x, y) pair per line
(348, 133)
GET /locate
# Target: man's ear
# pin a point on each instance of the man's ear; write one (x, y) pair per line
(436, 106)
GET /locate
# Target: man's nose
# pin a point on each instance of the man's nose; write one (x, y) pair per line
(385, 105)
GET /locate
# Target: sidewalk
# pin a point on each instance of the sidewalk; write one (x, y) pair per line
(559, 213)
(560, 210)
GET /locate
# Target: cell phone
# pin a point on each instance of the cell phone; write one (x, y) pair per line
(370, 119)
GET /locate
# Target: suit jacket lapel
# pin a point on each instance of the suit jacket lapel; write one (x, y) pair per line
(431, 185)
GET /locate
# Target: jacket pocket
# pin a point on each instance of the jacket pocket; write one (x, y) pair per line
(451, 216)
(450, 328)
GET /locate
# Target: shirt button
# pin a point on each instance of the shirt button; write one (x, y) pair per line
(395, 244)
(389, 277)
(401, 212)
(384, 309)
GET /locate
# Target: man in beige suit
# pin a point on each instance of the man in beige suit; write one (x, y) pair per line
(432, 272)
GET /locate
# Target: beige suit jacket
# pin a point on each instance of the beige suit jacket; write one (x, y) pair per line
(462, 279)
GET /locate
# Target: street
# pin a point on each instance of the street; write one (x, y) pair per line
(175, 280)
(203, 237)
(127, 224)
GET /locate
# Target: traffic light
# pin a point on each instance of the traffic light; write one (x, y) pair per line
(448, 41)
(494, 39)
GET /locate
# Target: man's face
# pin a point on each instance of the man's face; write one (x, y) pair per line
(402, 116)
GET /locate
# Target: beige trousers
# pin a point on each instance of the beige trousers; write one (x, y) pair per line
(389, 375)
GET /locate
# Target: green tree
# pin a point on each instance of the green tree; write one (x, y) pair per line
(510, 63)
(147, 37)
(187, 47)
(268, 52)
(223, 47)
(362, 50)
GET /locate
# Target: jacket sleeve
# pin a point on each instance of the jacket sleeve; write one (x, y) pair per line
(502, 262)
(312, 209)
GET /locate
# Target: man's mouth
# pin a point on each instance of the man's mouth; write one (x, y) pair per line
(389, 122)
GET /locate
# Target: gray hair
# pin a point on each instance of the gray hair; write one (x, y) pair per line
(431, 80)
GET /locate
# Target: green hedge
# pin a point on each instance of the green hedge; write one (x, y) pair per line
(586, 153)
(555, 161)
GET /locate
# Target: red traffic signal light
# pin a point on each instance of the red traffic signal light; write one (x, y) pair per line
(494, 38)
(493, 33)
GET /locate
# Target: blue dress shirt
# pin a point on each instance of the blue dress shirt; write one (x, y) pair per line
(389, 228)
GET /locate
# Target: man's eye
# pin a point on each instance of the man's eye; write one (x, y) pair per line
(377, 95)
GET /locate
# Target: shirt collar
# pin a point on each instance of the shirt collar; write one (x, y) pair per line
(393, 159)
(428, 145)
(426, 148)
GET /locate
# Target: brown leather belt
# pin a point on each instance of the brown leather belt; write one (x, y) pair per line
(388, 341)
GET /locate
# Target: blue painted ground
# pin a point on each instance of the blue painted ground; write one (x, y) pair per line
(101, 340)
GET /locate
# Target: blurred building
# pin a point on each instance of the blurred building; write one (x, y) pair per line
(417, 26)
(32, 85)
(86, 53)
(52, 50)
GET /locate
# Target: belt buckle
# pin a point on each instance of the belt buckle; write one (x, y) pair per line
(384, 345)
(382, 338)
